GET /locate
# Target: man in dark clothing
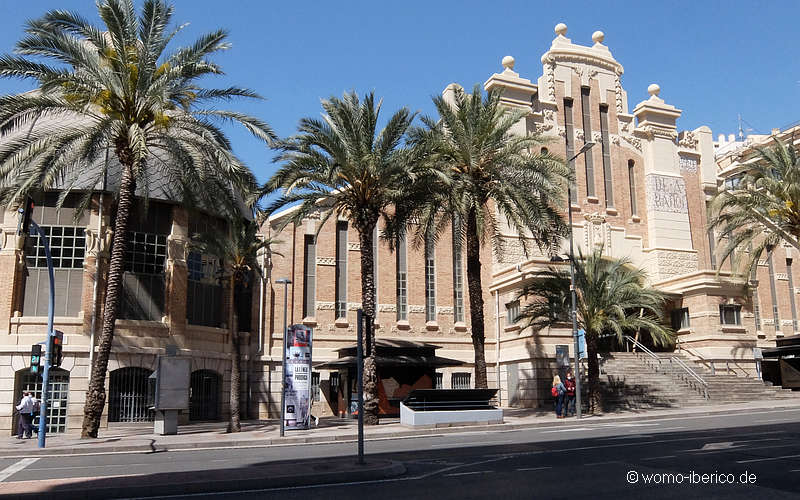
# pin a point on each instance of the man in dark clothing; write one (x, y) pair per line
(26, 410)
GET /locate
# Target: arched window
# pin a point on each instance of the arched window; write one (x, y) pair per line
(57, 399)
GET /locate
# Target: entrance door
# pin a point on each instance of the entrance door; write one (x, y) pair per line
(57, 399)
(127, 395)
(204, 395)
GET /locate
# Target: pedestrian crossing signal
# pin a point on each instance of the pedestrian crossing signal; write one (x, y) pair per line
(55, 348)
(36, 357)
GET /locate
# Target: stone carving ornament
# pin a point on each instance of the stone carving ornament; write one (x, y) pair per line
(688, 140)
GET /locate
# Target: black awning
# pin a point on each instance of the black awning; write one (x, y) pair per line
(781, 352)
(395, 361)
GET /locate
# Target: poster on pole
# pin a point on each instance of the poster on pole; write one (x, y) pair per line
(297, 398)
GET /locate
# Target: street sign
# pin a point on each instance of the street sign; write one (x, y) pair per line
(36, 357)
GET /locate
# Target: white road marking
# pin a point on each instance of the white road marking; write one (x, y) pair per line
(602, 463)
(467, 473)
(14, 468)
(568, 429)
(764, 421)
(533, 468)
(766, 459)
(659, 458)
(470, 443)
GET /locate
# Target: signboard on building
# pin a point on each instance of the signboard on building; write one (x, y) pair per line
(297, 398)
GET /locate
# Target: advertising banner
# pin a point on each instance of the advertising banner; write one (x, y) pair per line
(297, 397)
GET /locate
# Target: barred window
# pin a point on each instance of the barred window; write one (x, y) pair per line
(203, 290)
(680, 318)
(730, 314)
(512, 312)
(315, 386)
(402, 280)
(461, 381)
(309, 275)
(341, 269)
(458, 278)
(607, 177)
(67, 248)
(430, 281)
(438, 382)
(144, 280)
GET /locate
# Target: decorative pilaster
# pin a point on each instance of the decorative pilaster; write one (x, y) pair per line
(11, 270)
(177, 275)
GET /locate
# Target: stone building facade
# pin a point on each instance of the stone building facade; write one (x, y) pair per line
(640, 192)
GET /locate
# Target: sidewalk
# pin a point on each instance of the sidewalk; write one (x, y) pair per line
(140, 438)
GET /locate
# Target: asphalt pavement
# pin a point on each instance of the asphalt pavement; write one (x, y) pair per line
(740, 455)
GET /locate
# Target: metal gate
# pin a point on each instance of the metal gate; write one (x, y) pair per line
(56, 401)
(204, 395)
(127, 395)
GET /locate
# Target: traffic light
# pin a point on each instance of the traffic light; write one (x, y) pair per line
(27, 215)
(54, 347)
(36, 357)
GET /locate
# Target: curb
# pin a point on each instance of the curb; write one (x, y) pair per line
(343, 438)
(222, 480)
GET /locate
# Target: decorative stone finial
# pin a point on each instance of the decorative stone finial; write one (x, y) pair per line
(653, 89)
(598, 36)
(561, 29)
(508, 62)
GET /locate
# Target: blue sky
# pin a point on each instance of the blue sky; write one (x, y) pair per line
(714, 60)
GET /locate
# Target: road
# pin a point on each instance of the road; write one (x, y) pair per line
(757, 453)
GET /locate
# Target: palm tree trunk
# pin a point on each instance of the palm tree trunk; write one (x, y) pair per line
(594, 372)
(234, 424)
(96, 394)
(476, 299)
(365, 236)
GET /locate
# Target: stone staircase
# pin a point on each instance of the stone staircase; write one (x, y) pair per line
(631, 381)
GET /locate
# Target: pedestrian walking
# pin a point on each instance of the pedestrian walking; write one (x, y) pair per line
(558, 391)
(26, 411)
(569, 400)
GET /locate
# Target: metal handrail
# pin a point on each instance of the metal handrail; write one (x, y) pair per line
(692, 374)
(644, 349)
(679, 362)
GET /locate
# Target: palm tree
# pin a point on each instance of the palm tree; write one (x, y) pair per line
(479, 170)
(237, 248)
(612, 297)
(761, 208)
(343, 163)
(114, 90)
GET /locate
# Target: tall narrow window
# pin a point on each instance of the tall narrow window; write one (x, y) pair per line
(341, 269)
(402, 280)
(458, 278)
(791, 293)
(430, 281)
(309, 276)
(680, 318)
(512, 312)
(774, 293)
(375, 267)
(632, 186)
(730, 314)
(606, 157)
(570, 144)
(587, 136)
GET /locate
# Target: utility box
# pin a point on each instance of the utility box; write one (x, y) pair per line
(169, 392)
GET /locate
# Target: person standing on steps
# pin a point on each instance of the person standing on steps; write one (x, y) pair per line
(569, 399)
(26, 410)
(558, 391)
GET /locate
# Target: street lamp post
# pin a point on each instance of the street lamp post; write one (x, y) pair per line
(586, 147)
(285, 282)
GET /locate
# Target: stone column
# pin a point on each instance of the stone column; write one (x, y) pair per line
(177, 275)
(11, 271)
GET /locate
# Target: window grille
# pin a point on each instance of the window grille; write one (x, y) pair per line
(458, 276)
(461, 381)
(791, 293)
(203, 291)
(127, 395)
(309, 275)
(430, 281)
(570, 146)
(512, 312)
(774, 292)
(341, 269)
(144, 280)
(315, 386)
(680, 318)
(67, 248)
(587, 134)
(439, 381)
(334, 382)
(58, 397)
(402, 280)
(607, 177)
(730, 314)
